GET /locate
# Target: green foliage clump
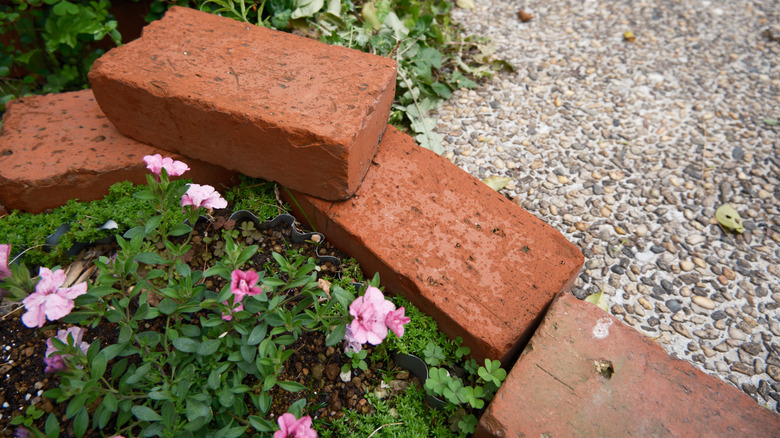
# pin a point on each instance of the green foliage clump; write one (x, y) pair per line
(257, 196)
(49, 45)
(27, 230)
(405, 416)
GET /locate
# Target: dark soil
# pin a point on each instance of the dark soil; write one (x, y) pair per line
(313, 364)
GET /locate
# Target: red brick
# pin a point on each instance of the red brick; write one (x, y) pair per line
(58, 147)
(269, 104)
(483, 267)
(555, 390)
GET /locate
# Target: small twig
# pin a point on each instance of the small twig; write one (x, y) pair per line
(388, 424)
(11, 313)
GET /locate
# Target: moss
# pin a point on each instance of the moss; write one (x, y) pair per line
(257, 196)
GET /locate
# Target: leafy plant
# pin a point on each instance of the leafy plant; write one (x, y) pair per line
(216, 353)
(357, 360)
(50, 45)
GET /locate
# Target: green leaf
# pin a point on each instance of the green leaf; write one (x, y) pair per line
(226, 397)
(150, 258)
(81, 422)
(52, 427)
(167, 306)
(186, 345)
(258, 334)
(99, 365)
(152, 223)
(208, 347)
(231, 432)
(290, 386)
(110, 402)
(179, 230)
(337, 335)
(144, 413)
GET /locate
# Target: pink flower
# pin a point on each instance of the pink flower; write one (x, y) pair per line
(370, 312)
(75, 332)
(395, 321)
(203, 196)
(49, 299)
(290, 427)
(155, 163)
(5, 253)
(243, 283)
(54, 363)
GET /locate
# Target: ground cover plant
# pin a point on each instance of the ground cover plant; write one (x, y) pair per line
(433, 57)
(194, 345)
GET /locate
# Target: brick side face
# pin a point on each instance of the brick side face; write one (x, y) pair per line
(58, 147)
(481, 265)
(587, 374)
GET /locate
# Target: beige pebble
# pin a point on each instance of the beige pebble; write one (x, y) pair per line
(687, 265)
(645, 303)
(699, 262)
(606, 212)
(703, 302)
(596, 175)
(582, 226)
(537, 164)
(641, 230)
(466, 153)
(723, 280)
(562, 179)
(619, 230)
(675, 181)
(499, 163)
(729, 273)
(553, 210)
(617, 175)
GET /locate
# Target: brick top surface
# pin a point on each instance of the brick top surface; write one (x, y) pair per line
(259, 73)
(42, 135)
(484, 267)
(556, 389)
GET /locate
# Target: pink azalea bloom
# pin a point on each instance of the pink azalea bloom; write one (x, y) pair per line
(155, 163)
(370, 312)
(203, 196)
(5, 253)
(289, 427)
(395, 321)
(75, 332)
(54, 363)
(49, 299)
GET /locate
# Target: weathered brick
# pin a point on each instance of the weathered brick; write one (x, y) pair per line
(269, 104)
(483, 267)
(587, 374)
(58, 147)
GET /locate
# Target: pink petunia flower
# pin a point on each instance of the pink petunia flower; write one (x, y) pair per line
(395, 321)
(242, 283)
(49, 299)
(203, 196)
(370, 312)
(289, 427)
(156, 163)
(54, 363)
(75, 332)
(5, 253)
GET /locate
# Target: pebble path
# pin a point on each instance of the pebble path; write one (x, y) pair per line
(628, 148)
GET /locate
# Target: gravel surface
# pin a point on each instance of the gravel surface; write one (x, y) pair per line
(628, 148)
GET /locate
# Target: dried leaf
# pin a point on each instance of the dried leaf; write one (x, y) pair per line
(524, 16)
(465, 4)
(771, 122)
(496, 182)
(729, 218)
(598, 299)
(629, 36)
